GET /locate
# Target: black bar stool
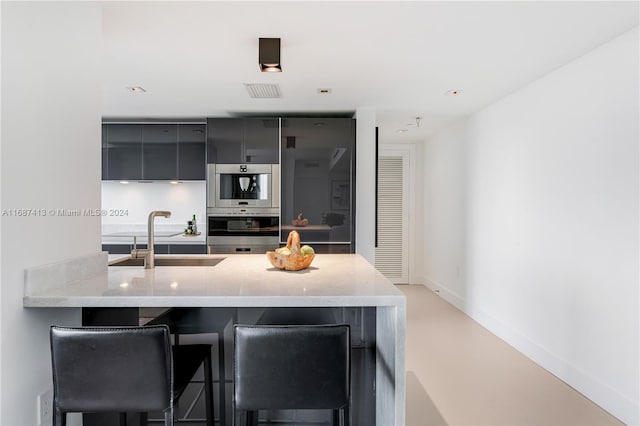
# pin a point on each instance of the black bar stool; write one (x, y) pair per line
(122, 369)
(292, 367)
(198, 320)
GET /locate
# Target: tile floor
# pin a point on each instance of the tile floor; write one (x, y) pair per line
(458, 373)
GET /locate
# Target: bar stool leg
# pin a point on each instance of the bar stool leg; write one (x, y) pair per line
(208, 390)
(123, 419)
(346, 415)
(252, 418)
(222, 378)
(59, 418)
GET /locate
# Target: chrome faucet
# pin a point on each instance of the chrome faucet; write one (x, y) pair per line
(149, 253)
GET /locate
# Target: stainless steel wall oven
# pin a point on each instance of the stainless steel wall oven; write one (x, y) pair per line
(242, 234)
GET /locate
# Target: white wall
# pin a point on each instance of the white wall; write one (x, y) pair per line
(136, 200)
(50, 159)
(365, 183)
(532, 222)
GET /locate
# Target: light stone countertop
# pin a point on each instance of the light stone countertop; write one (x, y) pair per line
(239, 280)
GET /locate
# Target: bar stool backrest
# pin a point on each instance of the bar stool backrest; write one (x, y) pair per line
(111, 369)
(292, 367)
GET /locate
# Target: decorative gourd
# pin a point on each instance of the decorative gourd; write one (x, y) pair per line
(300, 221)
(294, 261)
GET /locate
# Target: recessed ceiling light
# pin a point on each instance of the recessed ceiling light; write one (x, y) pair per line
(453, 92)
(174, 182)
(124, 285)
(402, 130)
(324, 91)
(136, 89)
(124, 182)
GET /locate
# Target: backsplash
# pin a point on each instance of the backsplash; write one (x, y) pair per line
(130, 204)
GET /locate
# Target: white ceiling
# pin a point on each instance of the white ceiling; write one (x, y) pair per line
(397, 57)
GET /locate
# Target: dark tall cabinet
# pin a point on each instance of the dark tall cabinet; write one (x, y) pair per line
(317, 180)
(154, 151)
(243, 140)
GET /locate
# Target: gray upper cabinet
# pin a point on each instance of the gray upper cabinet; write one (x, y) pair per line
(261, 136)
(124, 151)
(159, 152)
(105, 153)
(243, 140)
(224, 140)
(162, 151)
(192, 143)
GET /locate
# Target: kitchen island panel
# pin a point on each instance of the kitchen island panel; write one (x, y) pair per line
(244, 281)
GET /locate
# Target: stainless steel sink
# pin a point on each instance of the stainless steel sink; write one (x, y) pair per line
(171, 261)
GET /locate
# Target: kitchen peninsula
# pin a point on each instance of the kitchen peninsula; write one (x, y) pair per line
(242, 281)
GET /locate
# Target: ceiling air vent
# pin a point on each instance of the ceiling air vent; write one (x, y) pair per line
(263, 90)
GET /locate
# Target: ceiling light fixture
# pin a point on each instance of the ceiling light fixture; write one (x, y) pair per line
(454, 92)
(269, 55)
(174, 182)
(124, 182)
(418, 121)
(136, 89)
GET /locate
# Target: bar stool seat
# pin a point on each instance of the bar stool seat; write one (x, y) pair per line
(121, 369)
(292, 367)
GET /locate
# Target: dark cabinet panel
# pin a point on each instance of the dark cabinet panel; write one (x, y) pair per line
(153, 151)
(317, 176)
(159, 248)
(160, 152)
(188, 249)
(105, 153)
(224, 140)
(124, 151)
(261, 140)
(192, 161)
(242, 140)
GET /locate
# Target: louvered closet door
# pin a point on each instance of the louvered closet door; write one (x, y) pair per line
(392, 254)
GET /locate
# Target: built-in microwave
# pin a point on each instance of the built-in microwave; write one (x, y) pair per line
(243, 186)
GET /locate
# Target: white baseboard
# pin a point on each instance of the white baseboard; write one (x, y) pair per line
(605, 396)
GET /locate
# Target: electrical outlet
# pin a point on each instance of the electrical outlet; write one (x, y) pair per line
(45, 407)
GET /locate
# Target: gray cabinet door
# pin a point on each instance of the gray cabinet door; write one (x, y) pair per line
(243, 140)
(261, 137)
(124, 151)
(105, 154)
(317, 175)
(160, 152)
(192, 160)
(224, 141)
